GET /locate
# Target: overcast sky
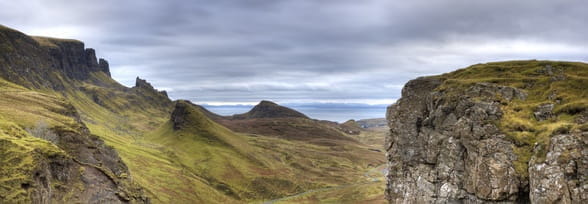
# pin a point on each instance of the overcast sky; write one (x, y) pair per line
(351, 51)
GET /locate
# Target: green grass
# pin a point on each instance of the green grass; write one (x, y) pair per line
(202, 163)
(365, 190)
(206, 162)
(252, 167)
(518, 121)
(20, 153)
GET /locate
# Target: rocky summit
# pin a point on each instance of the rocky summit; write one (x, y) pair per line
(508, 132)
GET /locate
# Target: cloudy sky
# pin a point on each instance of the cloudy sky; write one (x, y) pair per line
(298, 51)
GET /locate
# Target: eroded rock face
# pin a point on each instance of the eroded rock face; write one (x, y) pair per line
(33, 62)
(562, 176)
(544, 112)
(146, 90)
(445, 149)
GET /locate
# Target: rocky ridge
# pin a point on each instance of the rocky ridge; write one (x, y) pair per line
(39, 77)
(37, 62)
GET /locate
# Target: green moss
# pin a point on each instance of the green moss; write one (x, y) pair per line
(561, 83)
(20, 154)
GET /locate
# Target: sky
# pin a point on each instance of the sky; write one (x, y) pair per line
(303, 51)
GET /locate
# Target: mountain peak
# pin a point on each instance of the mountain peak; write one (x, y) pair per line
(267, 103)
(268, 109)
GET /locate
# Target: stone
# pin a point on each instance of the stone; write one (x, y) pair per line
(448, 149)
(544, 112)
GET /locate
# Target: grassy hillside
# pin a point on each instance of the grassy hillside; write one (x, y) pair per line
(560, 84)
(19, 151)
(196, 160)
(254, 167)
(47, 154)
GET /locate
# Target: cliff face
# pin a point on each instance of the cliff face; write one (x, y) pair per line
(460, 138)
(38, 62)
(46, 80)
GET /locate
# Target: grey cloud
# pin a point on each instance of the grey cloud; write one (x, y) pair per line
(222, 50)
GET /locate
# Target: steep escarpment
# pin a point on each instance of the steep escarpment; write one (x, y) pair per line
(53, 93)
(40, 62)
(499, 132)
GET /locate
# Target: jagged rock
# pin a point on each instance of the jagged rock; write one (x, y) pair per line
(443, 150)
(33, 61)
(563, 175)
(178, 116)
(77, 167)
(489, 90)
(146, 90)
(142, 83)
(448, 143)
(544, 112)
(103, 66)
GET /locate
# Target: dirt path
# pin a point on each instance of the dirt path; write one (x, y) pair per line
(370, 174)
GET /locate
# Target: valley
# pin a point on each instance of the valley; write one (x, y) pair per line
(150, 149)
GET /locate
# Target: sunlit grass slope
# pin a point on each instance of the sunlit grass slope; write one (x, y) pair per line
(563, 84)
(19, 151)
(121, 117)
(200, 162)
(250, 167)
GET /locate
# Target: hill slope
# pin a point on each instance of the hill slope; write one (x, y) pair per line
(270, 119)
(268, 109)
(254, 167)
(169, 151)
(498, 132)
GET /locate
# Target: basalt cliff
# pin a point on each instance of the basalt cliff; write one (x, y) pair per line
(507, 132)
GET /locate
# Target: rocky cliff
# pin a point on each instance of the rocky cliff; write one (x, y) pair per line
(46, 81)
(484, 134)
(40, 62)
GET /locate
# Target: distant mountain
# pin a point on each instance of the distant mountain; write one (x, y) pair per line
(269, 118)
(268, 109)
(374, 122)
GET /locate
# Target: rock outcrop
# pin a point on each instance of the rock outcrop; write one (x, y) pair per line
(75, 166)
(151, 95)
(452, 143)
(38, 62)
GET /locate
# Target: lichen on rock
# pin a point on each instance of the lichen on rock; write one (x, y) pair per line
(488, 134)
